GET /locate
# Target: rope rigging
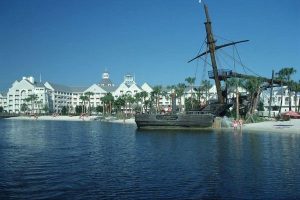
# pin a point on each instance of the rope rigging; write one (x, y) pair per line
(205, 62)
(197, 64)
(233, 57)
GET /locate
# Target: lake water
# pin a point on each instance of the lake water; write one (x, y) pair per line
(96, 160)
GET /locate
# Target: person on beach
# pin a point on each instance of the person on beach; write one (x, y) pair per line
(235, 124)
(240, 123)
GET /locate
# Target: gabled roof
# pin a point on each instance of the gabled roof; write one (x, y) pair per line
(3, 94)
(38, 84)
(106, 82)
(26, 81)
(280, 91)
(78, 89)
(23, 81)
(61, 88)
(135, 85)
(189, 88)
(109, 88)
(146, 84)
(95, 89)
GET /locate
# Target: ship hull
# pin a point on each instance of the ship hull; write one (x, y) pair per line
(174, 121)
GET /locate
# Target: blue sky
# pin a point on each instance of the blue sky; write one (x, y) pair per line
(73, 42)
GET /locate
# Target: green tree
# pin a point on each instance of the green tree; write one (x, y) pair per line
(295, 87)
(107, 101)
(84, 99)
(129, 100)
(191, 82)
(138, 100)
(155, 94)
(24, 107)
(144, 96)
(285, 74)
(260, 106)
(179, 91)
(46, 108)
(233, 85)
(39, 105)
(119, 103)
(252, 85)
(1, 109)
(206, 86)
(64, 110)
(79, 109)
(32, 99)
(89, 94)
(99, 109)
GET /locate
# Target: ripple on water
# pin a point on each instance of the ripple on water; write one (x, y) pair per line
(93, 160)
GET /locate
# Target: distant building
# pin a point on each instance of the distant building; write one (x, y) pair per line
(55, 96)
(21, 90)
(127, 87)
(280, 94)
(3, 100)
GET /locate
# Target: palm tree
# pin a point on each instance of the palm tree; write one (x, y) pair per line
(39, 106)
(138, 99)
(32, 99)
(107, 101)
(119, 103)
(27, 100)
(147, 104)
(45, 108)
(206, 86)
(191, 82)
(144, 95)
(233, 85)
(156, 93)
(179, 91)
(295, 87)
(281, 79)
(130, 100)
(83, 98)
(89, 94)
(252, 85)
(299, 98)
(165, 94)
(286, 74)
(24, 107)
(171, 89)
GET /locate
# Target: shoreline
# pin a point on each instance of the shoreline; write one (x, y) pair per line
(70, 118)
(291, 126)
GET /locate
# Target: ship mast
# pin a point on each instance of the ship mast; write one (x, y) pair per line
(212, 46)
(211, 43)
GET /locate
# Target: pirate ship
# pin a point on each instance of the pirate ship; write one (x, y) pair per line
(203, 118)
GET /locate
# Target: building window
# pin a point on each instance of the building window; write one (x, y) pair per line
(279, 99)
(286, 101)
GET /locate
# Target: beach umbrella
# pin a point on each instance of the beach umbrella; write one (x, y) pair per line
(292, 114)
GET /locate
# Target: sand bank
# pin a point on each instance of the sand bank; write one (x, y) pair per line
(292, 126)
(71, 118)
(53, 118)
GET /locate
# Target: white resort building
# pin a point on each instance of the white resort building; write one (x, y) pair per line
(279, 94)
(22, 89)
(55, 96)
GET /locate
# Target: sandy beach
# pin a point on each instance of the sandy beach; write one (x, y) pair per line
(291, 126)
(70, 118)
